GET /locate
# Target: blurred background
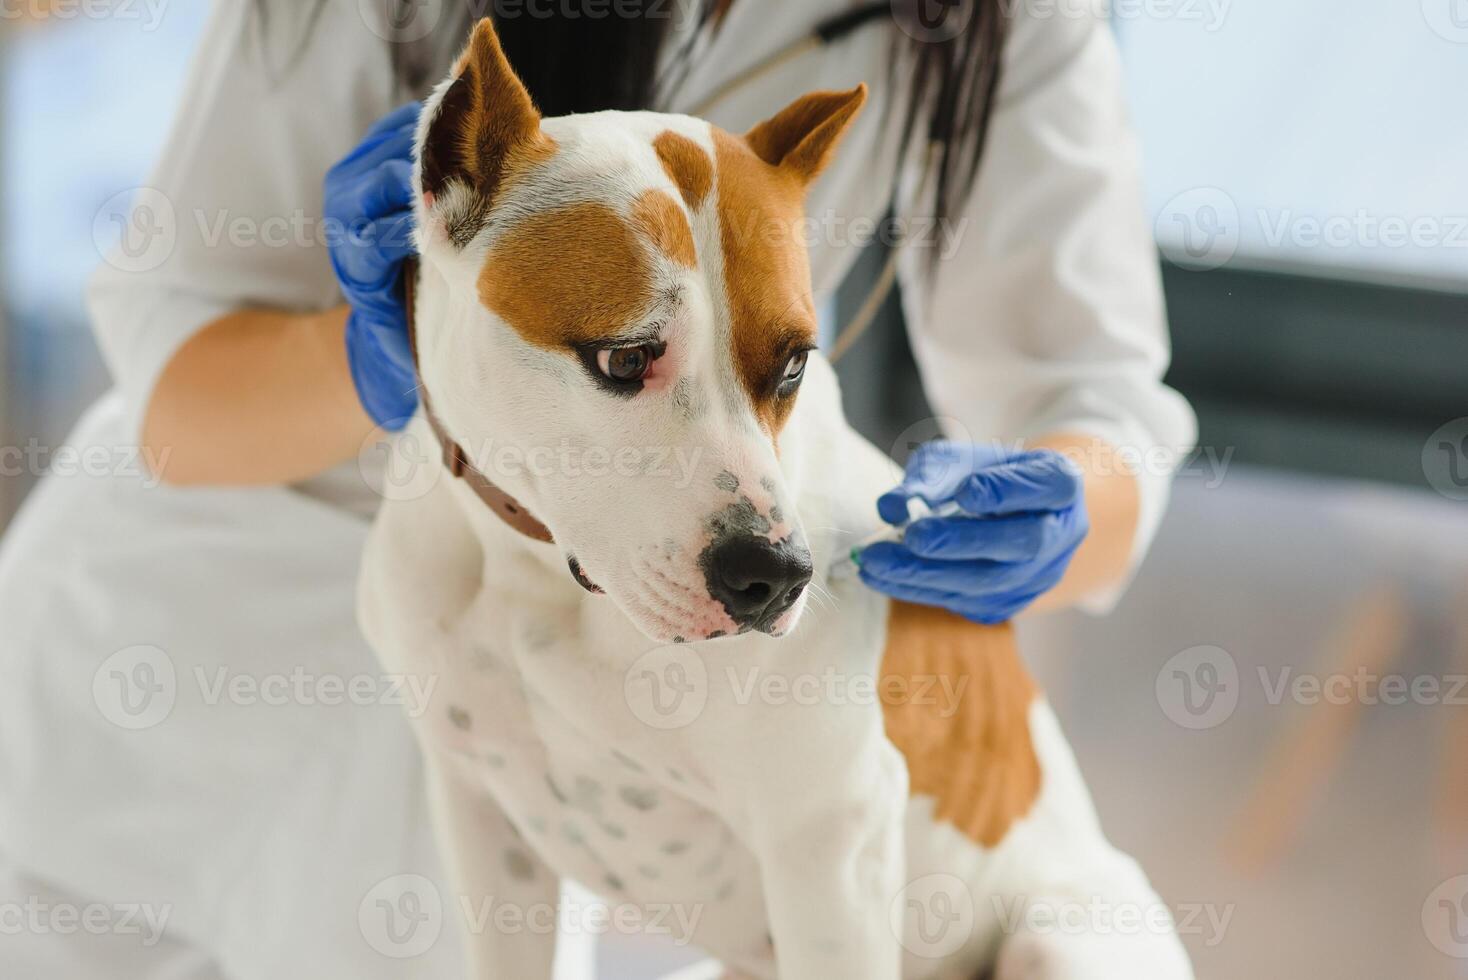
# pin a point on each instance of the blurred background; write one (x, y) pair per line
(1275, 720)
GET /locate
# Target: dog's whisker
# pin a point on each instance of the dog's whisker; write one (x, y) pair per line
(821, 595)
(822, 601)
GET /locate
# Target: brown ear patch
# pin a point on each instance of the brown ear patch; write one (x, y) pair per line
(687, 165)
(801, 137)
(956, 700)
(660, 218)
(766, 272)
(568, 276)
(485, 131)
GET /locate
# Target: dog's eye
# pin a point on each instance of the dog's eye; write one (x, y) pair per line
(626, 364)
(794, 369)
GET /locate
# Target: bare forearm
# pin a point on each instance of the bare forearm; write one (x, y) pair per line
(1113, 505)
(258, 397)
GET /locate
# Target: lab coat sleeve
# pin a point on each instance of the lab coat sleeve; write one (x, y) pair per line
(230, 217)
(1044, 312)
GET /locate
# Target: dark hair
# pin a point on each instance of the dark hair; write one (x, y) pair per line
(585, 64)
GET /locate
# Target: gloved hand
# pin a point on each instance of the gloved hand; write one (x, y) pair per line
(369, 216)
(1020, 518)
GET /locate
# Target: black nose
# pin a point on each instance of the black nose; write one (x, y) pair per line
(756, 579)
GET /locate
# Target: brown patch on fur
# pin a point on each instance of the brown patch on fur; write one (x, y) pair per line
(687, 164)
(801, 137)
(761, 180)
(486, 132)
(568, 276)
(975, 757)
(657, 214)
(766, 273)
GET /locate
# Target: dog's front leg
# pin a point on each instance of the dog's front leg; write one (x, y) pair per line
(827, 825)
(421, 570)
(505, 895)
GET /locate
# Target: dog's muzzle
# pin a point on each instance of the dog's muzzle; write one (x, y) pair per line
(756, 580)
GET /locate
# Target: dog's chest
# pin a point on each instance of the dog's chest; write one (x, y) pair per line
(632, 820)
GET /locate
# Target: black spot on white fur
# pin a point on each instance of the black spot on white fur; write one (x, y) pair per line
(740, 517)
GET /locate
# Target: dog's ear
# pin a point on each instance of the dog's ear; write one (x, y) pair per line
(800, 137)
(484, 120)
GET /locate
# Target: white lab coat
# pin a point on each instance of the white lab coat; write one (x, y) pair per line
(262, 826)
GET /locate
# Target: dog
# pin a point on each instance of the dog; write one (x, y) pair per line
(648, 678)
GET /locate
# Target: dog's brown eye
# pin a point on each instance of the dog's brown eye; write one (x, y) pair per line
(626, 364)
(794, 368)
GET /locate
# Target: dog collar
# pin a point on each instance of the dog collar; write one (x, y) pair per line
(506, 507)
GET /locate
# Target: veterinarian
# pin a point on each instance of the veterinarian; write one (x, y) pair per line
(190, 725)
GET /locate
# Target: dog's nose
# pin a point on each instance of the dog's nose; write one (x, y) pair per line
(757, 579)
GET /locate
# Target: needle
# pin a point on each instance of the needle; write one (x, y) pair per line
(917, 509)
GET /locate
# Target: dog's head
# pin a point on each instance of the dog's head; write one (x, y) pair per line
(614, 322)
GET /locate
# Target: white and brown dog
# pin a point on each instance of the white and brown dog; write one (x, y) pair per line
(651, 685)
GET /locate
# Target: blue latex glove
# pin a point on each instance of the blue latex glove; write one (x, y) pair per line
(368, 210)
(1019, 518)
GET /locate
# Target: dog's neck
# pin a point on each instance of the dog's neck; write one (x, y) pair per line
(455, 460)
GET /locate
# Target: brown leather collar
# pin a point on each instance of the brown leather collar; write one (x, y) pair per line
(455, 459)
